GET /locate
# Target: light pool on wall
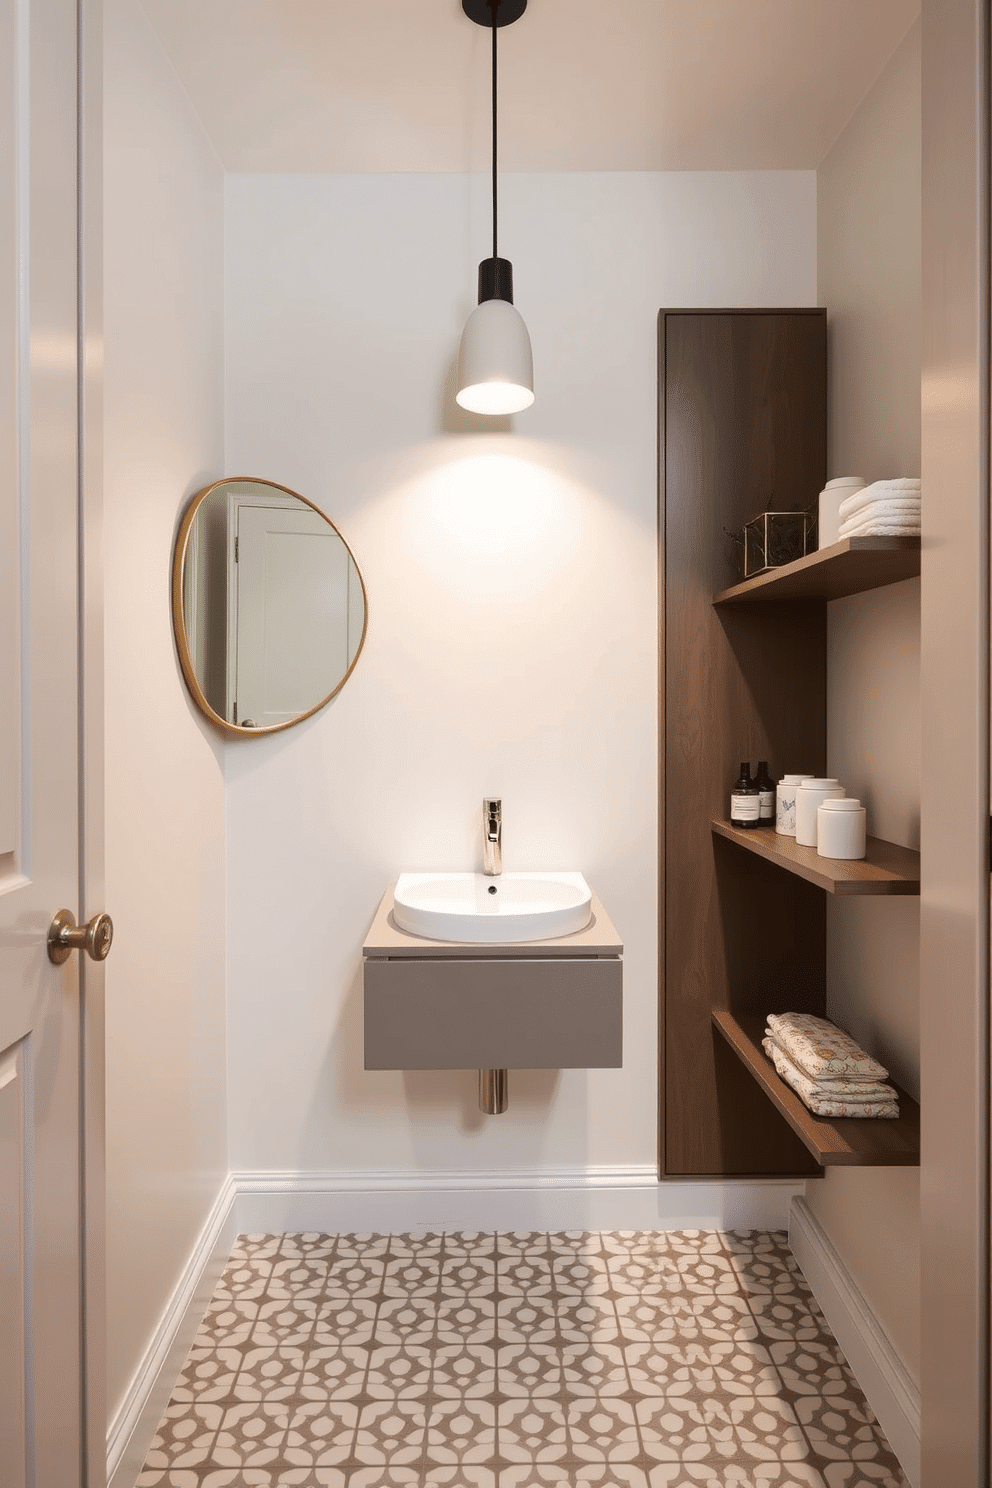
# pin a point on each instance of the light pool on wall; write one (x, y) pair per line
(494, 528)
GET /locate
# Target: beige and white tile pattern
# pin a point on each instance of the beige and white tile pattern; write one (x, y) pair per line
(682, 1359)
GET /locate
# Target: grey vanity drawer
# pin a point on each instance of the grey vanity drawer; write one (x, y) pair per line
(499, 1014)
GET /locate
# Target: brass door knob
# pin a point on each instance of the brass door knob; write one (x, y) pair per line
(65, 936)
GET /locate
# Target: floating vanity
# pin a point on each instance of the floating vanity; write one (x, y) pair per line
(493, 1005)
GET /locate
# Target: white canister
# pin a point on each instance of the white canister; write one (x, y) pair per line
(808, 798)
(841, 825)
(785, 803)
(833, 493)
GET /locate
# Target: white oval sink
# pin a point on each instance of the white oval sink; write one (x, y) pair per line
(473, 908)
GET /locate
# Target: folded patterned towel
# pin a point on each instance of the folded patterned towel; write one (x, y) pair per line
(832, 1087)
(879, 491)
(821, 1050)
(881, 1109)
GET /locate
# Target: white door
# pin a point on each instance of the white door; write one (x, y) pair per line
(41, 1338)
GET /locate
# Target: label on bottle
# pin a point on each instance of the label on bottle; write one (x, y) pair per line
(767, 808)
(745, 808)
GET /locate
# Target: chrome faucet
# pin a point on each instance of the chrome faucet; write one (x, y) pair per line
(492, 837)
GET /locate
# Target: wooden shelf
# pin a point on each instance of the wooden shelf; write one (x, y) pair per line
(886, 869)
(841, 1142)
(851, 566)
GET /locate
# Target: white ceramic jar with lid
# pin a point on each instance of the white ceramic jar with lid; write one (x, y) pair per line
(809, 795)
(841, 827)
(785, 803)
(828, 519)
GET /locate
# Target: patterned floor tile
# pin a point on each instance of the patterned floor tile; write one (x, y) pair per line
(272, 1374)
(589, 1368)
(207, 1378)
(568, 1475)
(591, 1319)
(468, 1275)
(412, 1274)
(863, 1475)
(521, 1243)
(526, 1276)
(529, 1370)
(418, 1242)
(842, 1427)
(756, 1428)
(669, 1317)
(707, 1474)
(791, 1317)
(581, 1276)
(750, 1242)
(827, 1379)
(297, 1277)
(603, 1430)
(322, 1433)
(461, 1433)
(533, 1430)
(332, 1371)
(461, 1476)
(356, 1276)
(401, 1321)
(463, 1370)
(522, 1318)
(398, 1372)
(644, 1273)
(673, 1429)
(768, 1271)
(469, 1319)
(385, 1477)
(466, 1242)
(517, 1360)
(252, 1434)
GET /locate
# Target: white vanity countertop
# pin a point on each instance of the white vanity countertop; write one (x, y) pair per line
(386, 939)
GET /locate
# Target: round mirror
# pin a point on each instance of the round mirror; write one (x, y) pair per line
(268, 606)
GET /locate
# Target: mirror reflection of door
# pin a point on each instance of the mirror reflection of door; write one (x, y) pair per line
(293, 620)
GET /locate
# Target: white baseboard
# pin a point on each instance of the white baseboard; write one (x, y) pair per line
(605, 1198)
(134, 1425)
(889, 1387)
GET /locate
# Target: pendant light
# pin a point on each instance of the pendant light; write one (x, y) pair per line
(495, 362)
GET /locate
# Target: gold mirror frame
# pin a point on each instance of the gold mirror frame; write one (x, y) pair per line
(234, 730)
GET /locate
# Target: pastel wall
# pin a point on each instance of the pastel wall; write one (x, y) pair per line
(163, 437)
(868, 201)
(512, 643)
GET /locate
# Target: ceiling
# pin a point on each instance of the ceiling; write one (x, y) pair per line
(585, 85)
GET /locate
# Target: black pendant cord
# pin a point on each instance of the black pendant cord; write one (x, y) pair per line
(495, 5)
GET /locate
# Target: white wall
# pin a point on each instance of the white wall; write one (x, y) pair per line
(166, 1118)
(512, 641)
(868, 200)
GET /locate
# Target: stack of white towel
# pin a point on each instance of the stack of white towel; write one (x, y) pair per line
(887, 508)
(831, 1074)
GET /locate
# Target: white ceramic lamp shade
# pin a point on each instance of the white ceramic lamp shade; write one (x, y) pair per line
(495, 361)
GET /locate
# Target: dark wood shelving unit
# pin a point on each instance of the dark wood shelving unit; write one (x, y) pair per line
(852, 566)
(887, 868)
(742, 425)
(837, 1142)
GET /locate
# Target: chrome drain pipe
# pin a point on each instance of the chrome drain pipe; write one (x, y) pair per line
(492, 1091)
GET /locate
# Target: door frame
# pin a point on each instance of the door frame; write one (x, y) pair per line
(92, 882)
(955, 793)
